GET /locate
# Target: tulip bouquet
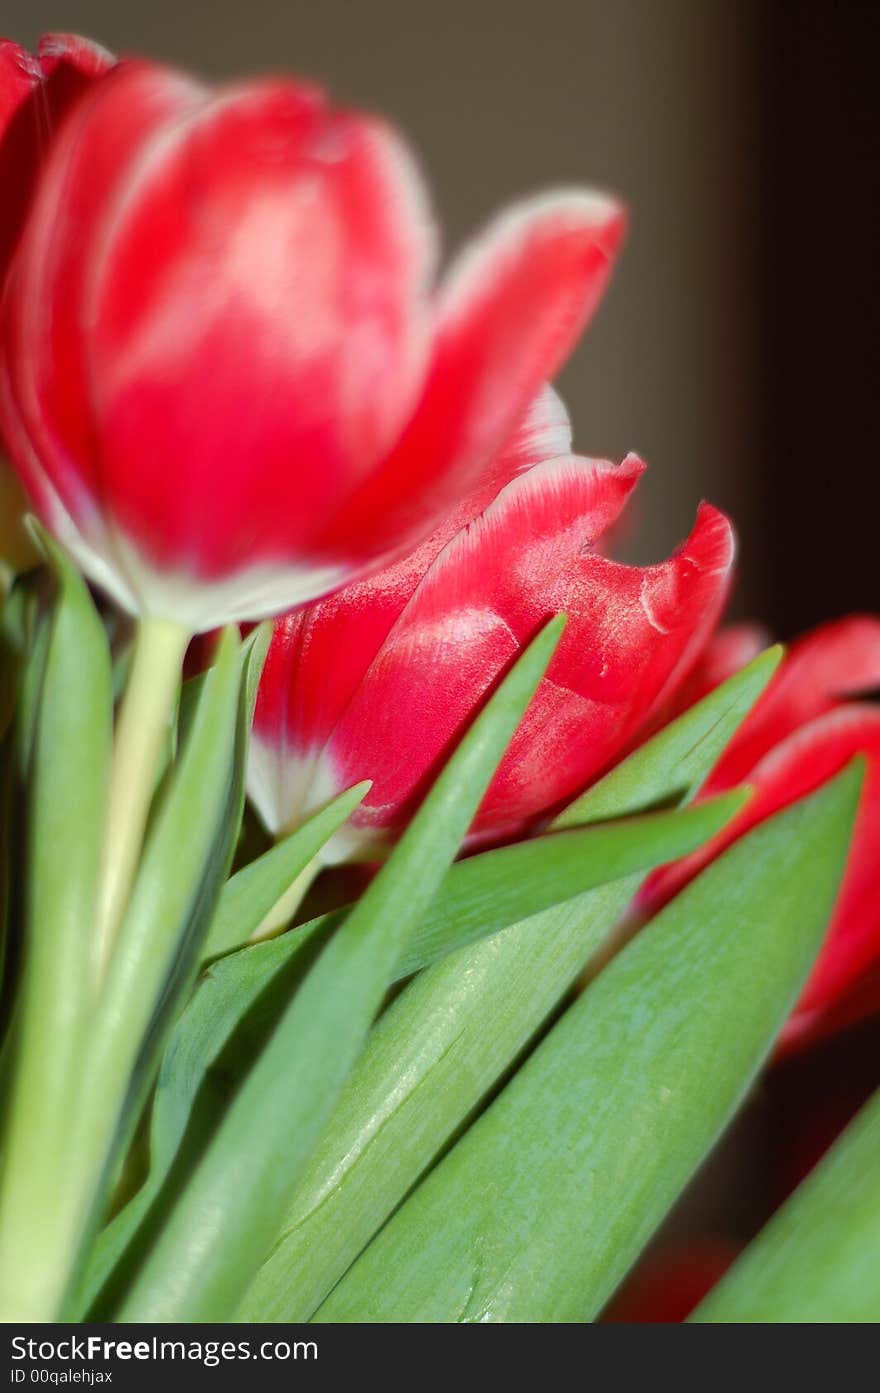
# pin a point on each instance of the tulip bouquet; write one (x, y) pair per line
(398, 895)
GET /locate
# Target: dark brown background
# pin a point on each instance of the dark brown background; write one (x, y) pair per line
(737, 349)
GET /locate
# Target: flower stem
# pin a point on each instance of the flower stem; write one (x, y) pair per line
(142, 728)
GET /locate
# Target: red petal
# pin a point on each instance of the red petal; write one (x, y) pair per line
(71, 51)
(632, 635)
(509, 314)
(47, 407)
(19, 75)
(35, 94)
(838, 660)
(254, 273)
(798, 766)
(484, 597)
(727, 652)
(857, 1004)
(669, 1284)
(318, 656)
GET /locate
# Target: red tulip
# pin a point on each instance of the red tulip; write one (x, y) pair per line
(670, 1283)
(803, 731)
(36, 92)
(227, 380)
(379, 681)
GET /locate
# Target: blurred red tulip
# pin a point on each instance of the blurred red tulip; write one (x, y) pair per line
(379, 681)
(227, 381)
(802, 731)
(36, 92)
(669, 1284)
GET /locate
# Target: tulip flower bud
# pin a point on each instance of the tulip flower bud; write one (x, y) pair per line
(379, 681)
(227, 380)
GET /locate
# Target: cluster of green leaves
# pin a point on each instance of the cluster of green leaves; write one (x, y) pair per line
(411, 1108)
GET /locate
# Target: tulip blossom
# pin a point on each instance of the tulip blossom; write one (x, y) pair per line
(228, 381)
(380, 680)
(806, 728)
(36, 92)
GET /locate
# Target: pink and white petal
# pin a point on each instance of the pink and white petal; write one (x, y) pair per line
(509, 314)
(319, 656)
(835, 661)
(630, 634)
(20, 73)
(465, 621)
(83, 56)
(544, 433)
(48, 399)
(527, 557)
(264, 299)
(36, 92)
(144, 227)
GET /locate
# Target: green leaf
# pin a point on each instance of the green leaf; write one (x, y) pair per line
(220, 1228)
(485, 894)
(478, 896)
(184, 863)
(455, 1031)
(541, 1208)
(818, 1260)
(249, 896)
(67, 744)
(444, 1043)
(229, 1017)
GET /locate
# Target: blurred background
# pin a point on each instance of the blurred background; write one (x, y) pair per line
(737, 350)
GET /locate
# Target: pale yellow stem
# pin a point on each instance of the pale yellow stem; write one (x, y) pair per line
(142, 729)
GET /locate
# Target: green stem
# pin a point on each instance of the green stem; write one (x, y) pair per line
(142, 728)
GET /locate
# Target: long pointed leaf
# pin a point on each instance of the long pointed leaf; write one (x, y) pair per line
(478, 897)
(69, 758)
(463, 1023)
(676, 762)
(220, 1229)
(249, 896)
(540, 1209)
(818, 1260)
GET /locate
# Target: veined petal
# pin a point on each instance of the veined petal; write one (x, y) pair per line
(525, 558)
(632, 635)
(836, 661)
(319, 656)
